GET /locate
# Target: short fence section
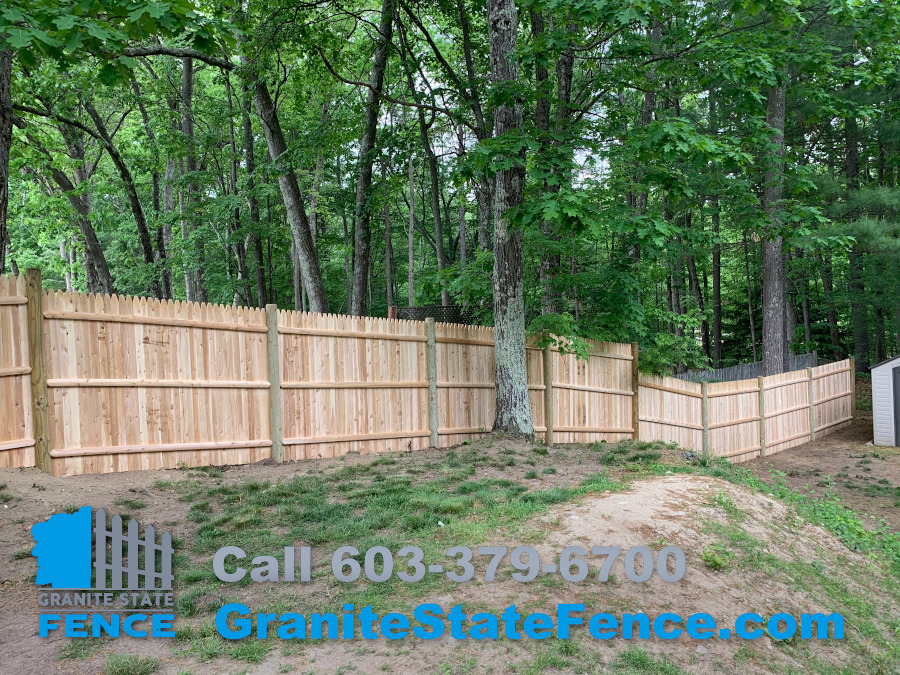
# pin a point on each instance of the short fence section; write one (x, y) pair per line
(95, 384)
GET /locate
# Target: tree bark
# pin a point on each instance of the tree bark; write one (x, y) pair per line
(6, 122)
(859, 315)
(749, 298)
(254, 241)
(388, 249)
(361, 213)
(513, 409)
(291, 196)
(411, 238)
(774, 334)
(198, 283)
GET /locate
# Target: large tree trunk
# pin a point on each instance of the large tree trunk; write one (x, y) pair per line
(291, 196)
(6, 121)
(362, 233)
(774, 333)
(513, 410)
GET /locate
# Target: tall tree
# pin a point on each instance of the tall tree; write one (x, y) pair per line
(361, 213)
(513, 409)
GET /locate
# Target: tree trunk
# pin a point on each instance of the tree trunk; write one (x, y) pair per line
(6, 122)
(513, 409)
(750, 299)
(435, 191)
(717, 285)
(411, 237)
(774, 333)
(361, 212)
(291, 196)
(134, 200)
(832, 316)
(198, 283)
(388, 249)
(859, 315)
(254, 241)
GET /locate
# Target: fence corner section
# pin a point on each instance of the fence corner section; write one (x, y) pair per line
(852, 387)
(431, 365)
(548, 395)
(812, 405)
(273, 349)
(40, 409)
(762, 416)
(635, 390)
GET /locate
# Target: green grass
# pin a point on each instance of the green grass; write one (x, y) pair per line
(80, 648)
(131, 504)
(130, 664)
(436, 504)
(22, 553)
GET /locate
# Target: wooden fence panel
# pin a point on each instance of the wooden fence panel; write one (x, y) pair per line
(352, 384)
(592, 398)
(833, 390)
(734, 419)
(534, 366)
(670, 411)
(465, 382)
(137, 383)
(17, 429)
(786, 410)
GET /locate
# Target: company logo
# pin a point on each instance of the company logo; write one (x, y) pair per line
(99, 567)
(66, 557)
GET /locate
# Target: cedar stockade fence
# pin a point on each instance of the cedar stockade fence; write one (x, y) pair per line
(95, 384)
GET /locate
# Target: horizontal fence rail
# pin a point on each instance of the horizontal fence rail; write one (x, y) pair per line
(95, 384)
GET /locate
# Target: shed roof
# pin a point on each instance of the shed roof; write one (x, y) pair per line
(886, 361)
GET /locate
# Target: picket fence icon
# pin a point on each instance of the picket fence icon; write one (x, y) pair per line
(121, 557)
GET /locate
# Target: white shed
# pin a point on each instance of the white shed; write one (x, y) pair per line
(886, 402)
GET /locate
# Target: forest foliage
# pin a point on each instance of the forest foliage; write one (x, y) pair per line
(351, 156)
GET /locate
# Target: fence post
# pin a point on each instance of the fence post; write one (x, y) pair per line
(852, 387)
(762, 416)
(274, 356)
(812, 405)
(704, 417)
(431, 364)
(548, 395)
(635, 390)
(40, 412)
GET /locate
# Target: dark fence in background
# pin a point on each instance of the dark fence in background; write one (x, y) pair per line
(441, 314)
(746, 371)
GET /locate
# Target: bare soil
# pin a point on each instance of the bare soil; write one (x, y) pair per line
(690, 511)
(866, 478)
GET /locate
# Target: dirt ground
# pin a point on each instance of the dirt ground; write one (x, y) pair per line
(866, 478)
(771, 561)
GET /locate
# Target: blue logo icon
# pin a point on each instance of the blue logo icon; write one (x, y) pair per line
(70, 552)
